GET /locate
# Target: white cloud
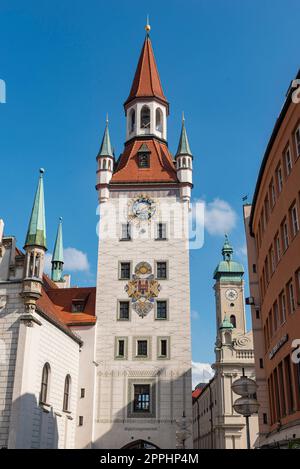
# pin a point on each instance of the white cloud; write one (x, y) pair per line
(75, 261)
(242, 251)
(220, 218)
(201, 373)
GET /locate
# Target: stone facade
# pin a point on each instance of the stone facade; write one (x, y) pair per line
(216, 424)
(116, 423)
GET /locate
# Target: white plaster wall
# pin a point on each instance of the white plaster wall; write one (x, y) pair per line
(9, 328)
(86, 380)
(31, 425)
(172, 377)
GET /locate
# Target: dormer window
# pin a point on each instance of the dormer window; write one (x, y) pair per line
(144, 161)
(78, 306)
(145, 118)
(144, 157)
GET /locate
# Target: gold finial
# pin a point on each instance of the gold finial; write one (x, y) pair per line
(107, 118)
(147, 27)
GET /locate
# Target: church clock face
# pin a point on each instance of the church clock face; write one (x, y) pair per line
(143, 208)
(231, 294)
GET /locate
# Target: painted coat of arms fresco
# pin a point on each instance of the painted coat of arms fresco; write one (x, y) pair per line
(142, 289)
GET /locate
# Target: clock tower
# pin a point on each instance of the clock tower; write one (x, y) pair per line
(143, 341)
(229, 291)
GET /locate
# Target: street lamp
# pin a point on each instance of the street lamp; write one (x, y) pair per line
(247, 404)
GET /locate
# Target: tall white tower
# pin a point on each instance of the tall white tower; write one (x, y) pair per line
(143, 342)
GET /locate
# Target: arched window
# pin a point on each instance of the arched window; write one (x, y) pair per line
(67, 392)
(37, 266)
(132, 121)
(109, 164)
(158, 120)
(145, 117)
(104, 164)
(45, 384)
(184, 162)
(233, 320)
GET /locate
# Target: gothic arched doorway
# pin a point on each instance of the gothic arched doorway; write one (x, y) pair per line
(140, 444)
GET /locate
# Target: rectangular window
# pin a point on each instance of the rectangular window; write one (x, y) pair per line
(288, 161)
(277, 247)
(297, 282)
(289, 386)
(161, 270)
(142, 348)
(124, 310)
(272, 193)
(267, 209)
(82, 393)
(285, 235)
(282, 390)
(282, 307)
(121, 348)
(279, 179)
(163, 352)
(161, 309)
(78, 306)
(161, 231)
(272, 259)
(261, 363)
(294, 219)
(126, 232)
(141, 398)
(267, 271)
(275, 316)
(292, 304)
(125, 270)
(80, 420)
(297, 141)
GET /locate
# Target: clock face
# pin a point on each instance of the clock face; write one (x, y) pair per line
(143, 208)
(231, 294)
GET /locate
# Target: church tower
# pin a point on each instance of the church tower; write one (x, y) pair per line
(143, 341)
(233, 353)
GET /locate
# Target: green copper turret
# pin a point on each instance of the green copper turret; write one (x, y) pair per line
(36, 233)
(58, 256)
(106, 148)
(184, 146)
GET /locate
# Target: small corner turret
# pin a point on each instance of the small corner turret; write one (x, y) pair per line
(35, 248)
(105, 165)
(184, 164)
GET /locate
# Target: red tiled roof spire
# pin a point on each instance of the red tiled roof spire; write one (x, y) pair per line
(146, 82)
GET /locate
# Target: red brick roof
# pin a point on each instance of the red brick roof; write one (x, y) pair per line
(56, 304)
(146, 82)
(161, 168)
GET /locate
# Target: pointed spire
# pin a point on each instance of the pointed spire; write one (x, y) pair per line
(106, 148)
(36, 233)
(58, 255)
(184, 146)
(227, 249)
(146, 82)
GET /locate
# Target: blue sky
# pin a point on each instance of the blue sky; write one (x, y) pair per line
(226, 63)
